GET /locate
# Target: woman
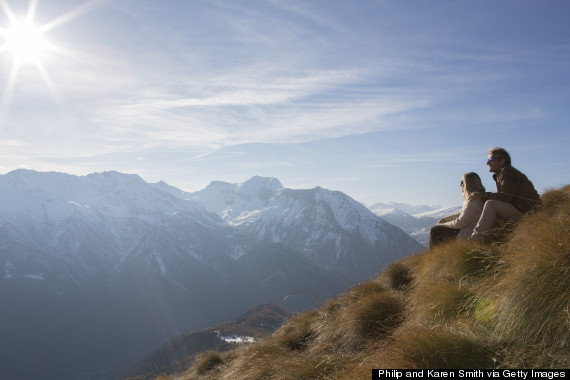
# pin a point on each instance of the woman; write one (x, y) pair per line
(461, 225)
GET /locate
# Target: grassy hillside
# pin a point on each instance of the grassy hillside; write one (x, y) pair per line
(461, 305)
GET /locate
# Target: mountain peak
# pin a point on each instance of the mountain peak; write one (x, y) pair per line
(257, 184)
(116, 176)
(26, 175)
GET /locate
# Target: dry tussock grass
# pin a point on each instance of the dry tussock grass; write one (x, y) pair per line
(531, 296)
(371, 318)
(440, 301)
(360, 291)
(458, 261)
(401, 274)
(553, 198)
(334, 325)
(208, 362)
(258, 361)
(418, 347)
(357, 370)
(461, 305)
(296, 334)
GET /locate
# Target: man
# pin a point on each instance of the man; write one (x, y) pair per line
(514, 197)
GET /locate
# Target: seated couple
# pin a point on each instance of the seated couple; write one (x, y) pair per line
(481, 210)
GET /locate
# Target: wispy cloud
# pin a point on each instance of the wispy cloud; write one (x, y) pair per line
(206, 88)
(250, 87)
(260, 108)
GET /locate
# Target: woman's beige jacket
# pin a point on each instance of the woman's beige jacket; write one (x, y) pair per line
(467, 219)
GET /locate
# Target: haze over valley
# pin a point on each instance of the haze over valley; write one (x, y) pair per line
(99, 270)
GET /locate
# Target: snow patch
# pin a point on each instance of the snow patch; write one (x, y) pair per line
(161, 265)
(179, 284)
(8, 268)
(78, 204)
(439, 213)
(238, 339)
(39, 277)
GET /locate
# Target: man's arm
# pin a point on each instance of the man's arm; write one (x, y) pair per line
(508, 183)
(508, 186)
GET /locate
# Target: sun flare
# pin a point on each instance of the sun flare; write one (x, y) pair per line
(25, 41)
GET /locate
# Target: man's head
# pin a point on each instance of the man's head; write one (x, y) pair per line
(498, 158)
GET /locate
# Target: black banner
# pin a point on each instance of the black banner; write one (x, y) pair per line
(519, 374)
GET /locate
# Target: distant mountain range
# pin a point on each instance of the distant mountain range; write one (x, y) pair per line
(416, 221)
(99, 270)
(326, 226)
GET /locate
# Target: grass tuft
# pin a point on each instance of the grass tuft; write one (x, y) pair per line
(208, 361)
(460, 261)
(552, 199)
(363, 290)
(297, 334)
(372, 317)
(421, 347)
(440, 301)
(399, 276)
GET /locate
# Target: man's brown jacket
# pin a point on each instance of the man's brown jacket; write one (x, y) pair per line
(515, 188)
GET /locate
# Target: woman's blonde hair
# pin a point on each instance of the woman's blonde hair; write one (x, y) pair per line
(472, 184)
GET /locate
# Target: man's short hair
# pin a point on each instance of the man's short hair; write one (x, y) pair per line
(501, 153)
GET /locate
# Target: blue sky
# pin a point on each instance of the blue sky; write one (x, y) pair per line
(383, 100)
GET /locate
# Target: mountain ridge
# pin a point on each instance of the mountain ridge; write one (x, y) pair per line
(154, 263)
(284, 215)
(416, 221)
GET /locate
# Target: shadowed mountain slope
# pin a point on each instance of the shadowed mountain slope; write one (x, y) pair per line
(179, 353)
(98, 271)
(328, 227)
(460, 305)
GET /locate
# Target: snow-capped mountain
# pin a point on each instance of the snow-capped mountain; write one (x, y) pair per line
(416, 221)
(329, 227)
(94, 222)
(234, 202)
(92, 260)
(403, 207)
(110, 261)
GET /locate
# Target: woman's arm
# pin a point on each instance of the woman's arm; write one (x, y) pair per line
(448, 218)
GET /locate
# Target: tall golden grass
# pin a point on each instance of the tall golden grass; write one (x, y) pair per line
(460, 305)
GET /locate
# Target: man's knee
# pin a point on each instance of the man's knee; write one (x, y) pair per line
(503, 210)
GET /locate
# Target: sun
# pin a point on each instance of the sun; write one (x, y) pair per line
(21, 37)
(25, 41)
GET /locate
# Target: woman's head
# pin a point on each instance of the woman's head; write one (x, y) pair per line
(471, 183)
